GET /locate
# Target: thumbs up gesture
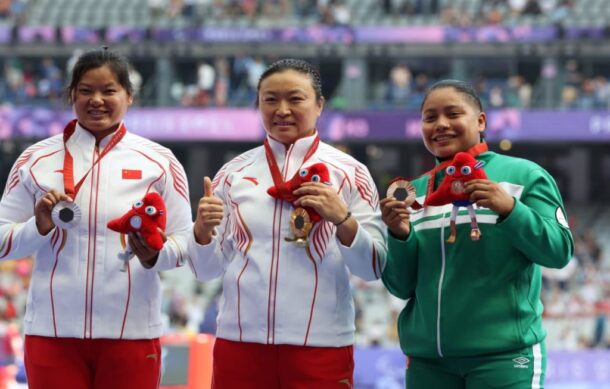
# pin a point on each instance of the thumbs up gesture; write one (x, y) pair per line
(209, 214)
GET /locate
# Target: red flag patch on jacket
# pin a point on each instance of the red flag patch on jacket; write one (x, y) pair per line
(129, 174)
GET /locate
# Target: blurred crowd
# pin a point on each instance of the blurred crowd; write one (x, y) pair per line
(577, 297)
(339, 12)
(231, 82)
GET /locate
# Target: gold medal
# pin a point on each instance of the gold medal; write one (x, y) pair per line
(300, 225)
(402, 190)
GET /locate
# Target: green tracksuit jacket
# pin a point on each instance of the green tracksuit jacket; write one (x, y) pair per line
(478, 297)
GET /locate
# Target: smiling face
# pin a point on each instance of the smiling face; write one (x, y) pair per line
(288, 105)
(100, 101)
(451, 122)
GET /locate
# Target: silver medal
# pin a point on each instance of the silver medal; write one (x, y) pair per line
(66, 214)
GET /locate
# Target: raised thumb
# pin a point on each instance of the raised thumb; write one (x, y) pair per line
(207, 187)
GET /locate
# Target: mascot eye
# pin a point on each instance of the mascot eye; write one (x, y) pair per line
(150, 210)
(303, 172)
(466, 170)
(138, 204)
(315, 178)
(450, 170)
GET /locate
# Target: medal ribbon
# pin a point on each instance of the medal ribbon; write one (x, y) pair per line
(278, 181)
(70, 188)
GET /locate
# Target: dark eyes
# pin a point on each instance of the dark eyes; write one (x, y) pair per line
(315, 178)
(86, 91)
(450, 115)
(466, 170)
(303, 172)
(295, 99)
(138, 204)
(450, 170)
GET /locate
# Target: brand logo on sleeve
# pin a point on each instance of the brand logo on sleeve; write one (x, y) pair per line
(561, 218)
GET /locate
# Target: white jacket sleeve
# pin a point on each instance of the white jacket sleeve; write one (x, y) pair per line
(366, 256)
(210, 261)
(179, 221)
(19, 236)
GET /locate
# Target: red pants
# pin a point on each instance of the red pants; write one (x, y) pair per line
(60, 363)
(257, 366)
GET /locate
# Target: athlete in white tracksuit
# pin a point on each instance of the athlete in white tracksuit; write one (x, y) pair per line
(275, 292)
(78, 289)
(87, 323)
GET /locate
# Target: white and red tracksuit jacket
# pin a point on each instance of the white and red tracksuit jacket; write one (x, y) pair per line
(275, 292)
(77, 289)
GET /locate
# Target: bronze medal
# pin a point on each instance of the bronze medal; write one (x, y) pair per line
(402, 190)
(300, 225)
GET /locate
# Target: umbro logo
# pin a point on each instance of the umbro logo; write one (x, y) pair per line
(521, 362)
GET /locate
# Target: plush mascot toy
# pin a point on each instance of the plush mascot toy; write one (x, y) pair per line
(318, 172)
(144, 217)
(462, 168)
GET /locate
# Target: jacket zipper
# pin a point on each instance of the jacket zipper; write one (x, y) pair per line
(440, 287)
(273, 279)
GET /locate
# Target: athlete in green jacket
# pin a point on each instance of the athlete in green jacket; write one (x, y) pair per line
(474, 316)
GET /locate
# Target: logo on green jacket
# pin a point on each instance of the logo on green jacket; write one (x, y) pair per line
(521, 362)
(561, 218)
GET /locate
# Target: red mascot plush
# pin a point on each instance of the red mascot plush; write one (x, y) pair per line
(318, 172)
(462, 168)
(145, 217)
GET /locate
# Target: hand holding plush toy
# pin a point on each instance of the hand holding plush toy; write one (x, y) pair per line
(318, 172)
(145, 217)
(462, 168)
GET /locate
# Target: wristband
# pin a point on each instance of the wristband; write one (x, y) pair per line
(349, 214)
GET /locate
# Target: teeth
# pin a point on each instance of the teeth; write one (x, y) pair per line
(442, 138)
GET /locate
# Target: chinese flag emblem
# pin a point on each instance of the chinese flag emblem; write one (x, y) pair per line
(129, 174)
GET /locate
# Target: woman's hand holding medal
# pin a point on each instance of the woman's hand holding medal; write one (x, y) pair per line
(209, 214)
(395, 208)
(323, 199)
(326, 202)
(44, 208)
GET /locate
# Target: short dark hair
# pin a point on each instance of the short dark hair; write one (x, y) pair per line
(118, 64)
(297, 65)
(461, 86)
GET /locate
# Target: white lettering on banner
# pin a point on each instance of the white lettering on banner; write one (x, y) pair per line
(599, 124)
(357, 128)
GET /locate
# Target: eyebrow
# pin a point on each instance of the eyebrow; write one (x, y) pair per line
(446, 108)
(91, 85)
(291, 91)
